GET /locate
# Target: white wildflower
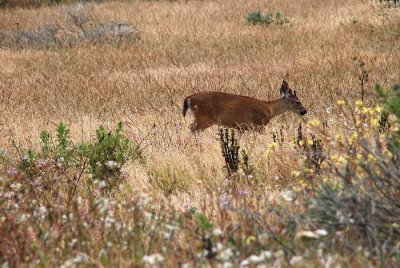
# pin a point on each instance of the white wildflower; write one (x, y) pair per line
(225, 254)
(307, 235)
(148, 216)
(16, 186)
(255, 259)
(64, 218)
(41, 212)
(201, 254)
(321, 232)
(109, 222)
(73, 242)
(217, 232)
(295, 260)
(341, 217)
(263, 238)
(227, 265)
(244, 263)
(153, 259)
(23, 217)
(288, 196)
(80, 258)
(266, 254)
(112, 165)
(103, 205)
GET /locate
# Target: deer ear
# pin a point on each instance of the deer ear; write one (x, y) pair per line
(284, 88)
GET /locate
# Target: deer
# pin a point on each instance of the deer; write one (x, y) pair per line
(239, 112)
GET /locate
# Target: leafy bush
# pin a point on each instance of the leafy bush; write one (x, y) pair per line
(364, 202)
(256, 17)
(102, 159)
(394, 2)
(108, 154)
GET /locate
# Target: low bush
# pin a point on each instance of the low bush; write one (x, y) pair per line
(83, 29)
(39, 3)
(256, 17)
(360, 197)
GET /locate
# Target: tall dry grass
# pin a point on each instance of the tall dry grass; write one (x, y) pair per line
(188, 47)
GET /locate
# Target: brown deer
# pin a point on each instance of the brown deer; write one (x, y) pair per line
(241, 112)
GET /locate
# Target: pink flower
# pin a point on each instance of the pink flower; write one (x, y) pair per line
(12, 172)
(243, 192)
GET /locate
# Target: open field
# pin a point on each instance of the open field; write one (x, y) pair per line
(186, 47)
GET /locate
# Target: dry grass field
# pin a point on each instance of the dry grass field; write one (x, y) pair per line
(162, 210)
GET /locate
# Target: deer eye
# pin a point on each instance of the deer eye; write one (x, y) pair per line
(297, 102)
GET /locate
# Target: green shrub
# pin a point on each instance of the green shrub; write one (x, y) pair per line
(256, 17)
(108, 154)
(395, 2)
(102, 159)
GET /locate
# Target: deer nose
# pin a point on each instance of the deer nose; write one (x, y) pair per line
(303, 112)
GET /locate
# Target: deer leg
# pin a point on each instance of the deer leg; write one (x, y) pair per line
(260, 129)
(197, 126)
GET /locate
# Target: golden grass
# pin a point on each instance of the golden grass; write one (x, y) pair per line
(188, 47)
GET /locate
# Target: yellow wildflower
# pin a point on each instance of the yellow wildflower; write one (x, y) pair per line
(365, 110)
(341, 102)
(303, 183)
(314, 123)
(296, 173)
(371, 157)
(309, 170)
(353, 138)
(271, 147)
(374, 122)
(387, 153)
(339, 137)
(324, 164)
(250, 239)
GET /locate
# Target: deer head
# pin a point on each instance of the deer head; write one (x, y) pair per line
(291, 100)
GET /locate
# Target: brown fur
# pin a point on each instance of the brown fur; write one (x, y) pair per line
(241, 112)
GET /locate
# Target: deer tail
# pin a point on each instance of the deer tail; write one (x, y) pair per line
(186, 104)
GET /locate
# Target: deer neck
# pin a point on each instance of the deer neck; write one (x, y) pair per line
(277, 107)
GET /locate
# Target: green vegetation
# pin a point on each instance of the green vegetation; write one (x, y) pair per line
(256, 17)
(320, 190)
